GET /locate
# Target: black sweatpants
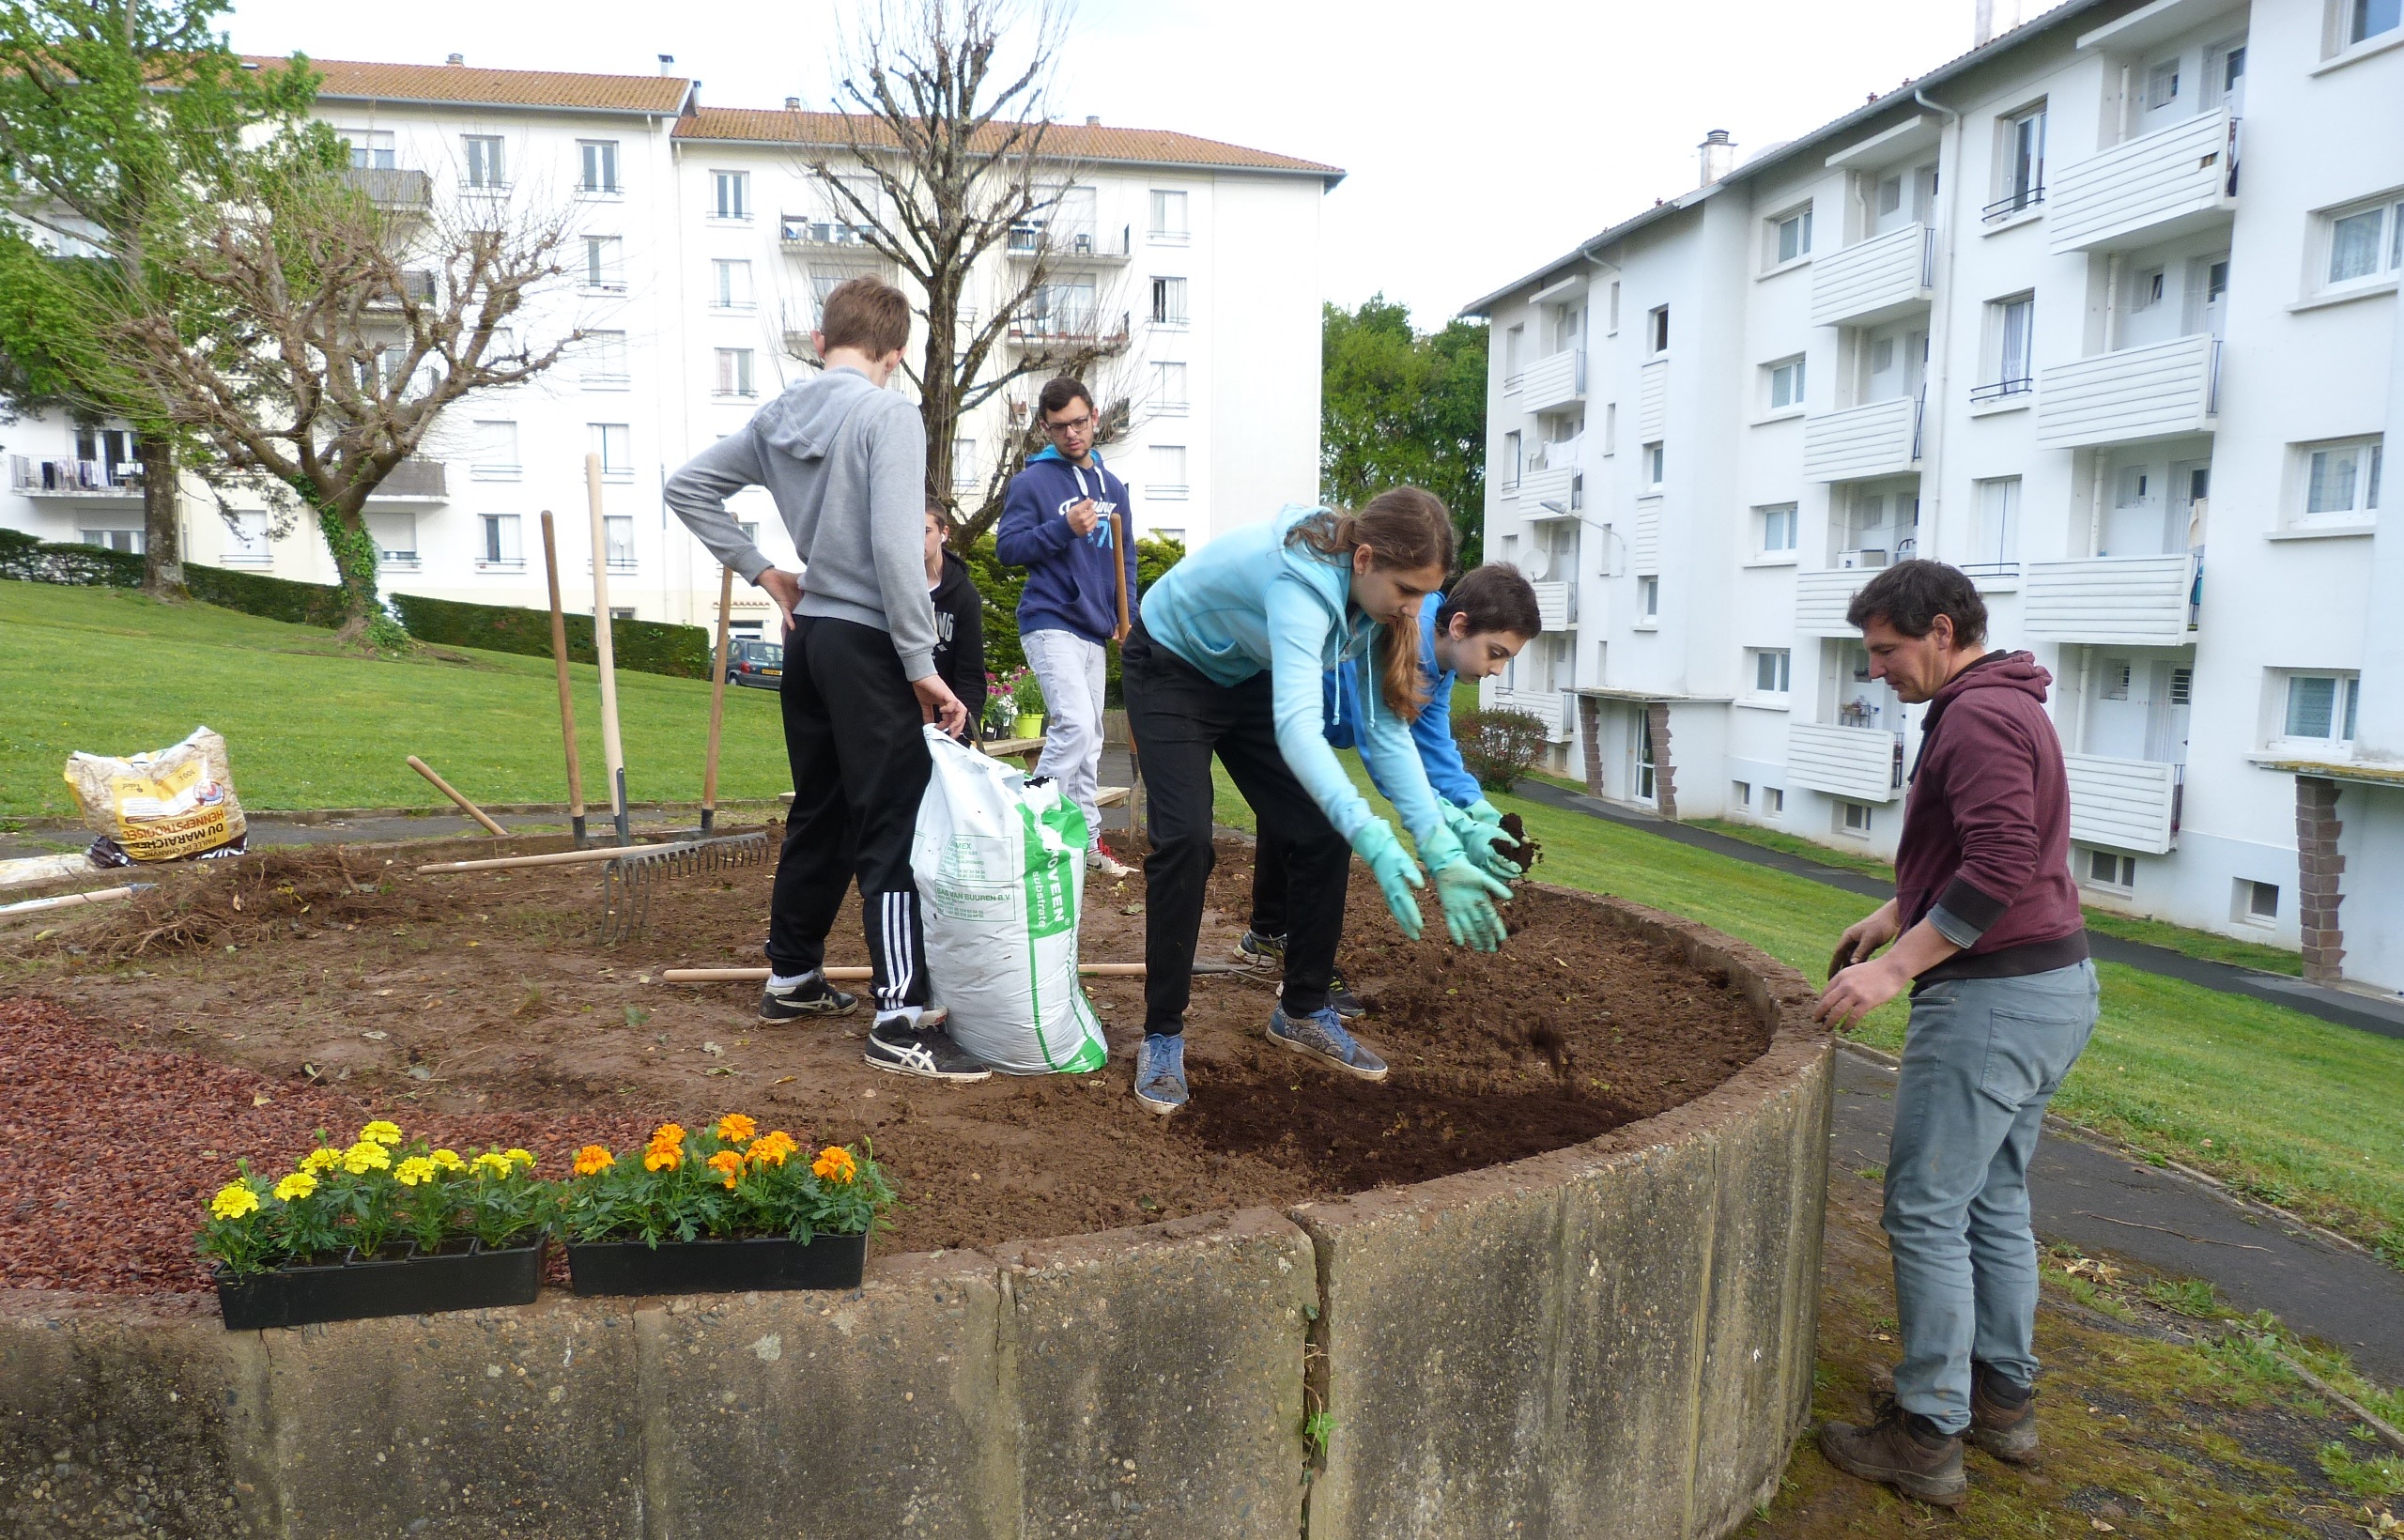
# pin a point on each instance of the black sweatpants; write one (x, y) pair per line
(859, 768)
(1268, 906)
(1178, 719)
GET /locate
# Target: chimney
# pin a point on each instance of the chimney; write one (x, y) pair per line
(668, 63)
(792, 104)
(1718, 155)
(456, 58)
(1092, 121)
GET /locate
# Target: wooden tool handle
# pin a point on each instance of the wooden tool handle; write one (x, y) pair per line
(718, 700)
(559, 663)
(858, 975)
(445, 787)
(1119, 533)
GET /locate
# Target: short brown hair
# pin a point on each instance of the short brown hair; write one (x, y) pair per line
(1060, 391)
(1495, 597)
(868, 314)
(1910, 595)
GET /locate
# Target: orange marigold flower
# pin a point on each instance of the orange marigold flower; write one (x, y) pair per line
(668, 1137)
(662, 1158)
(735, 1127)
(592, 1158)
(728, 1164)
(772, 1148)
(835, 1164)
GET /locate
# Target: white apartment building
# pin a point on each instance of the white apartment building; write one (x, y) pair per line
(2103, 311)
(700, 248)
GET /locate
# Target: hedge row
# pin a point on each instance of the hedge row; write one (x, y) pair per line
(78, 566)
(682, 651)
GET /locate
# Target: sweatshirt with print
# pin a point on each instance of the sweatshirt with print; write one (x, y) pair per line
(847, 465)
(1072, 580)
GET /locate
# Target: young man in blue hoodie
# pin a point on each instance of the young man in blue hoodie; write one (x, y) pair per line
(846, 461)
(1056, 523)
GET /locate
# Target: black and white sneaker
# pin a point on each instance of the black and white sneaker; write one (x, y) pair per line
(928, 1052)
(1341, 999)
(812, 996)
(1259, 951)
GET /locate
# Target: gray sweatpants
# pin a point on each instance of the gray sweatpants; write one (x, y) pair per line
(1070, 669)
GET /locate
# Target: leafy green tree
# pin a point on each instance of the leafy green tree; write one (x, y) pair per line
(118, 119)
(1399, 407)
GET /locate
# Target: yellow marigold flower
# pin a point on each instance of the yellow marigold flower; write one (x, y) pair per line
(668, 1137)
(380, 1131)
(728, 1164)
(298, 1185)
(233, 1201)
(772, 1148)
(662, 1158)
(366, 1156)
(449, 1160)
(592, 1158)
(417, 1169)
(735, 1127)
(520, 1157)
(835, 1164)
(493, 1162)
(324, 1158)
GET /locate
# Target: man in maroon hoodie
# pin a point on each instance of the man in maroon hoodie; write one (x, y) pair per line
(1987, 933)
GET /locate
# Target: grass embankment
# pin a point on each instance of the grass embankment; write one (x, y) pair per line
(309, 724)
(2281, 1105)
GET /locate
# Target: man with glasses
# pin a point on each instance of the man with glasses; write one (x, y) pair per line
(1056, 523)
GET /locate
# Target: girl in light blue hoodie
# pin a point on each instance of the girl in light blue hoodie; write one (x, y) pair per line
(1228, 659)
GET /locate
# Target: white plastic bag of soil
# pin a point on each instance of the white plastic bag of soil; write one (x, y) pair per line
(1001, 872)
(176, 804)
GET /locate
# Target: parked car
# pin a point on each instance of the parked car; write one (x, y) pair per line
(759, 664)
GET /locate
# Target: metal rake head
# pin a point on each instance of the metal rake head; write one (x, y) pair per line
(627, 881)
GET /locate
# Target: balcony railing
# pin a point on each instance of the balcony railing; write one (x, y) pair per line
(2012, 203)
(2124, 804)
(803, 234)
(1538, 487)
(1033, 238)
(2003, 390)
(1821, 599)
(2136, 601)
(1879, 439)
(39, 478)
(2151, 188)
(1865, 763)
(1875, 280)
(1556, 709)
(2156, 391)
(416, 477)
(1556, 606)
(1071, 328)
(417, 284)
(1559, 381)
(388, 187)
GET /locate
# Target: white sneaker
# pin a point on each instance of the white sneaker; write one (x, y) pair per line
(1100, 859)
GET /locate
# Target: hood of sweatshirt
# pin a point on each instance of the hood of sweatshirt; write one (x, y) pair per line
(1997, 670)
(1048, 453)
(803, 420)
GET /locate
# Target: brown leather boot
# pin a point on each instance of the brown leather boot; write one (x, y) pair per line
(1901, 1451)
(2006, 1431)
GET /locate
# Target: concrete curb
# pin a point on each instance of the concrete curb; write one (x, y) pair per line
(1614, 1338)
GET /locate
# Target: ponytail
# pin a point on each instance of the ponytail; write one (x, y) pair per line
(1404, 526)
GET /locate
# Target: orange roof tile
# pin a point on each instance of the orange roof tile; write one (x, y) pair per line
(466, 84)
(1069, 141)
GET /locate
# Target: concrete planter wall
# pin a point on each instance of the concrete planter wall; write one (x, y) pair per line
(1614, 1339)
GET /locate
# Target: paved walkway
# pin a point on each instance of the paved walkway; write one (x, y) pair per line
(2099, 1201)
(2369, 1013)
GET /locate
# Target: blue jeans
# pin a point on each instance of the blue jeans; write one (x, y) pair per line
(1981, 1058)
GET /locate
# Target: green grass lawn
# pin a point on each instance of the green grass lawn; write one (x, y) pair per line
(2292, 1109)
(309, 725)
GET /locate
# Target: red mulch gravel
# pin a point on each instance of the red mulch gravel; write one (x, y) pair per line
(114, 1149)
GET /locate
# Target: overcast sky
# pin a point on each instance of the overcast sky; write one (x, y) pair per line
(1481, 137)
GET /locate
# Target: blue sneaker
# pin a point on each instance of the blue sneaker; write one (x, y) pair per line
(1160, 1074)
(1322, 1033)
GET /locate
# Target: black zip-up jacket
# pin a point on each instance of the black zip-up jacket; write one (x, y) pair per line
(960, 636)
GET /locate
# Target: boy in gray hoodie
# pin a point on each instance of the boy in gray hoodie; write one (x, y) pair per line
(846, 462)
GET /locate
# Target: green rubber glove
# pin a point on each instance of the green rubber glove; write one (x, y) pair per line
(1396, 872)
(1484, 812)
(1468, 896)
(1483, 843)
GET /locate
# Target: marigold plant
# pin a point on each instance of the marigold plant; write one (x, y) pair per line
(724, 1181)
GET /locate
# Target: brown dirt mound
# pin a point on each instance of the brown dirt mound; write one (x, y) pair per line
(480, 1010)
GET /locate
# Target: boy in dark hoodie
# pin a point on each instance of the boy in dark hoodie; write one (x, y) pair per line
(846, 461)
(1987, 931)
(1055, 523)
(960, 623)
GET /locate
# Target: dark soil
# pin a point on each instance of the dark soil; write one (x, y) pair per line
(239, 1006)
(1529, 851)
